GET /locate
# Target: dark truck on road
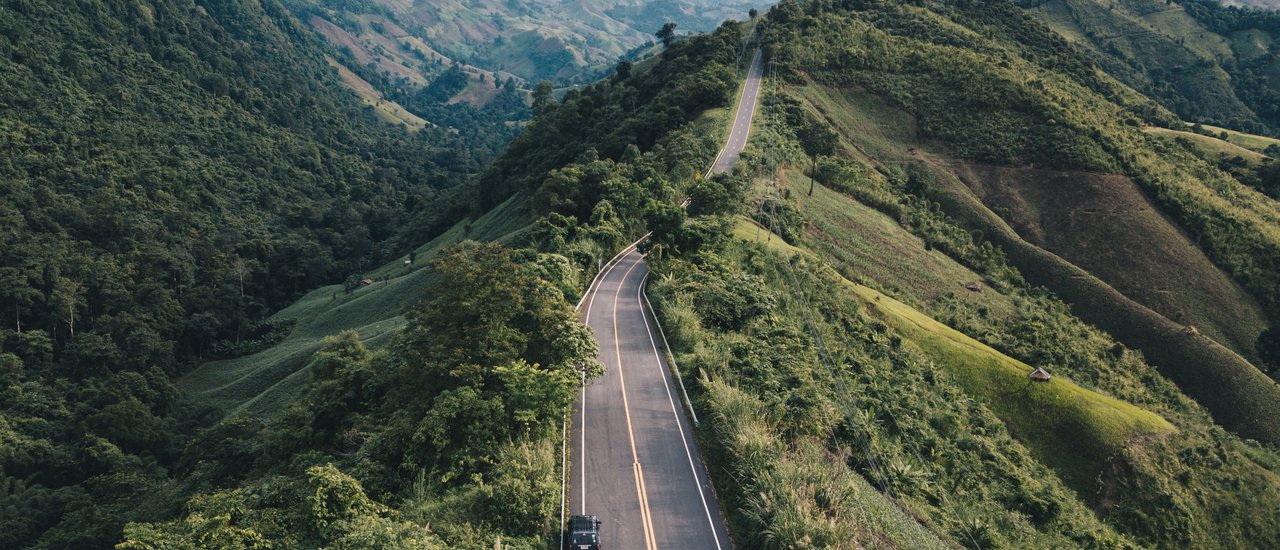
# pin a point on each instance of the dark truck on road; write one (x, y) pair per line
(584, 533)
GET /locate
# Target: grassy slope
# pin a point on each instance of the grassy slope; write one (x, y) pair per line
(1212, 147)
(261, 383)
(1072, 429)
(862, 512)
(1239, 395)
(1139, 40)
(1248, 141)
(882, 253)
(1250, 43)
(387, 110)
(1107, 226)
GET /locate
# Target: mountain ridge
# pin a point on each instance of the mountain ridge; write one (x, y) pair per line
(279, 277)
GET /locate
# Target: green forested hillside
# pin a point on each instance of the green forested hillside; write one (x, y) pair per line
(1206, 62)
(937, 197)
(170, 173)
(225, 171)
(969, 157)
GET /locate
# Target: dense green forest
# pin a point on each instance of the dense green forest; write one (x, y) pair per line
(177, 171)
(173, 171)
(448, 435)
(854, 318)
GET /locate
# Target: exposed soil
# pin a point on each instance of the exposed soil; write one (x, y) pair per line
(1107, 226)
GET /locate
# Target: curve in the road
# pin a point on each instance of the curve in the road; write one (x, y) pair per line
(636, 468)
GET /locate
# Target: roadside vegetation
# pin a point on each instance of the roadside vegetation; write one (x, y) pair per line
(435, 420)
(882, 365)
(856, 321)
(1003, 99)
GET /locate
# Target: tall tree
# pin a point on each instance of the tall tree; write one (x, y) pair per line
(667, 33)
(544, 98)
(241, 268)
(67, 297)
(817, 139)
(622, 72)
(15, 290)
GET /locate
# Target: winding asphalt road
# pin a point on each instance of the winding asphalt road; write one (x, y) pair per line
(635, 462)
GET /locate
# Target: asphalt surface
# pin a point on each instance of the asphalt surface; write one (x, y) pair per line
(742, 119)
(634, 462)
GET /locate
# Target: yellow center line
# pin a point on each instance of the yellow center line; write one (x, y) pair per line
(646, 518)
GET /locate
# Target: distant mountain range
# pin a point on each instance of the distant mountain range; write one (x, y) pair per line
(1261, 4)
(566, 41)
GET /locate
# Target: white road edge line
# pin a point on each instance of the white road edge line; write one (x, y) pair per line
(674, 411)
(564, 468)
(564, 424)
(598, 279)
(605, 272)
(741, 96)
(644, 285)
(755, 97)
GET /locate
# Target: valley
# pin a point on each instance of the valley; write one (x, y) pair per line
(303, 274)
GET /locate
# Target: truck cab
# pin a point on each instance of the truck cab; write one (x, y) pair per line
(584, 533)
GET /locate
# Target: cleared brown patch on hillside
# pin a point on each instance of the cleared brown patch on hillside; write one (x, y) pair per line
(476, 93)
(1238, 395)
(340, 37)
(1106, 225)
(363, 53)
(385, 109)
(353, 81)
